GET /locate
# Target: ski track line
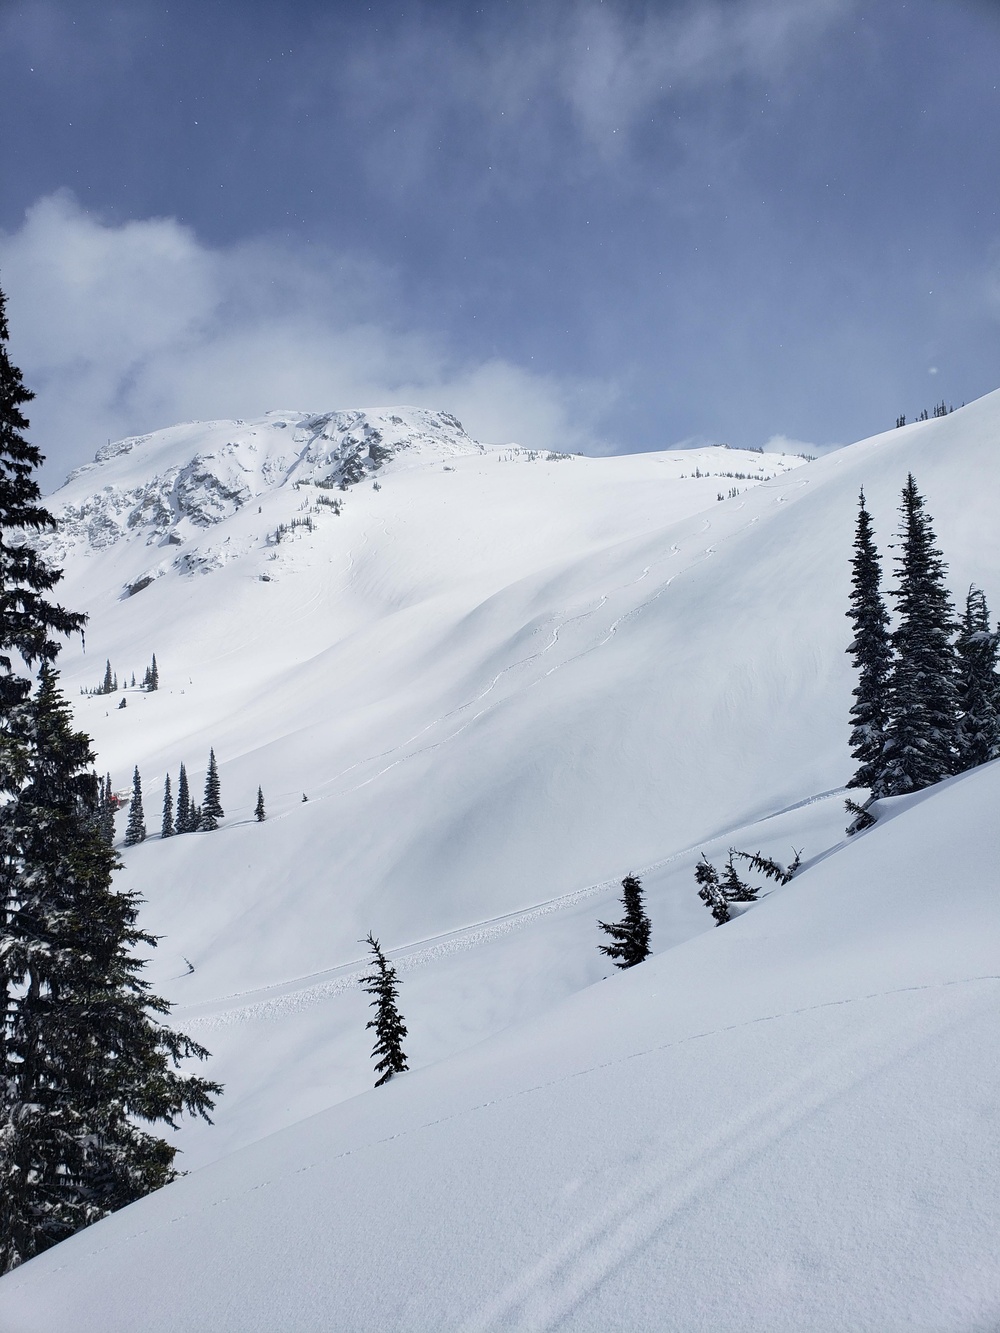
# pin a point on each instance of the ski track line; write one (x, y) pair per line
(281, 998)
(724, 1137)
(649, 1203)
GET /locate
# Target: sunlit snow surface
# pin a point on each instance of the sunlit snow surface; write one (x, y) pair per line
(502, 682)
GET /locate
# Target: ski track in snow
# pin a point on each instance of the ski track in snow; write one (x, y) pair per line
(649, 1202)
(279, 999)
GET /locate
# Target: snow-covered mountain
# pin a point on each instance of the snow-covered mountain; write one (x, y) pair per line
(502, 680)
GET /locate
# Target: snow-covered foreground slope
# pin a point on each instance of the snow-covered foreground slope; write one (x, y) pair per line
(784, 1124)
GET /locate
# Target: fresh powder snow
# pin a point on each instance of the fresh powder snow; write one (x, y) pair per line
(502, 680)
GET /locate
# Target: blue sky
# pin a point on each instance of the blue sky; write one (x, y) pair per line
(604, 226)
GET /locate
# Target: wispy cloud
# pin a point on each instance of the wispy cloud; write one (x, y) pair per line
(124, 328)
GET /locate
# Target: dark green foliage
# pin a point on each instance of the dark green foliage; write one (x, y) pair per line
(109, 684)
(923, 737)
(211, 809)
(768, 866)
(736, 889)
(27, 619)
(710, 891)
(389, 1027)
(85, 1056)
(631, 934)
(151, 680)
(135, 829)
(167, 826)
(862, 818)
(183, 822)
(977, 687)
(259, 813)
(871, 653)
(106, 806)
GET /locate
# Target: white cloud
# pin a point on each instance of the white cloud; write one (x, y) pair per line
(124, 328)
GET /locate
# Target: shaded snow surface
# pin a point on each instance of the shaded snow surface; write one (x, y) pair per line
(504, 680)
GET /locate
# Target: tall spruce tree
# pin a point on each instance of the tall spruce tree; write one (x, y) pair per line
(923, 737)
(978, 684)
(259, 813)
(389, 1026)
(871, 653)
(108, 685)
(211, 807)
(167, 826)
(135, 829)
(631, 934)
(107, 812)
(182, 823)
(28, 620)
(86, 1055)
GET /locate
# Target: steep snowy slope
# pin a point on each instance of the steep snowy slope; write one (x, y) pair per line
(502, 681)
(784, 1124)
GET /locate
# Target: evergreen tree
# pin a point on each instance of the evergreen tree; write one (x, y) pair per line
(154, 675)
(86, 1056)
(389, 1027)
(183, 822)
(710, 891)
(978, 684)
(631, 934)
(107, 813)
(135, 829)
(923, 735)
(211, 809)
(736, 889)
(167, 827)
(108, 686)
(259, 808)
(871, 653)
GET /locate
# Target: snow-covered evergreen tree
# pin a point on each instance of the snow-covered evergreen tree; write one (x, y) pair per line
(630, 935)
(135, 829)
(978, 684)
(736, 889)
(710, 891)
(259, 812)
(211, 808)
(923, 736)
(108, 686)
(167, 826)
(183, 821)
(871, 653)
(85, 1055)
(389, 1027)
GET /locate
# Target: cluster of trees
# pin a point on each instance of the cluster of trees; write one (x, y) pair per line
(927, 701)
(717, 891)
(88, 1067)
(109, 685)
(940, 410)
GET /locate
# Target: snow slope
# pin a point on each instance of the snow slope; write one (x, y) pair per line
(504, 680)
(787, 1123)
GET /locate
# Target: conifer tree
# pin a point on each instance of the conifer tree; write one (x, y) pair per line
(631, 934)
(167, 827)
(109, 685)
(871, 653)
(710, 891)
(107, 813)
(923, 735)
(736, 889)
(28, 619)
(135, 829)
(183, 822)
(86, 1055)
(154, 675)
(211, 809)
(389, 1027)
(259, 813)
(978, 684)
